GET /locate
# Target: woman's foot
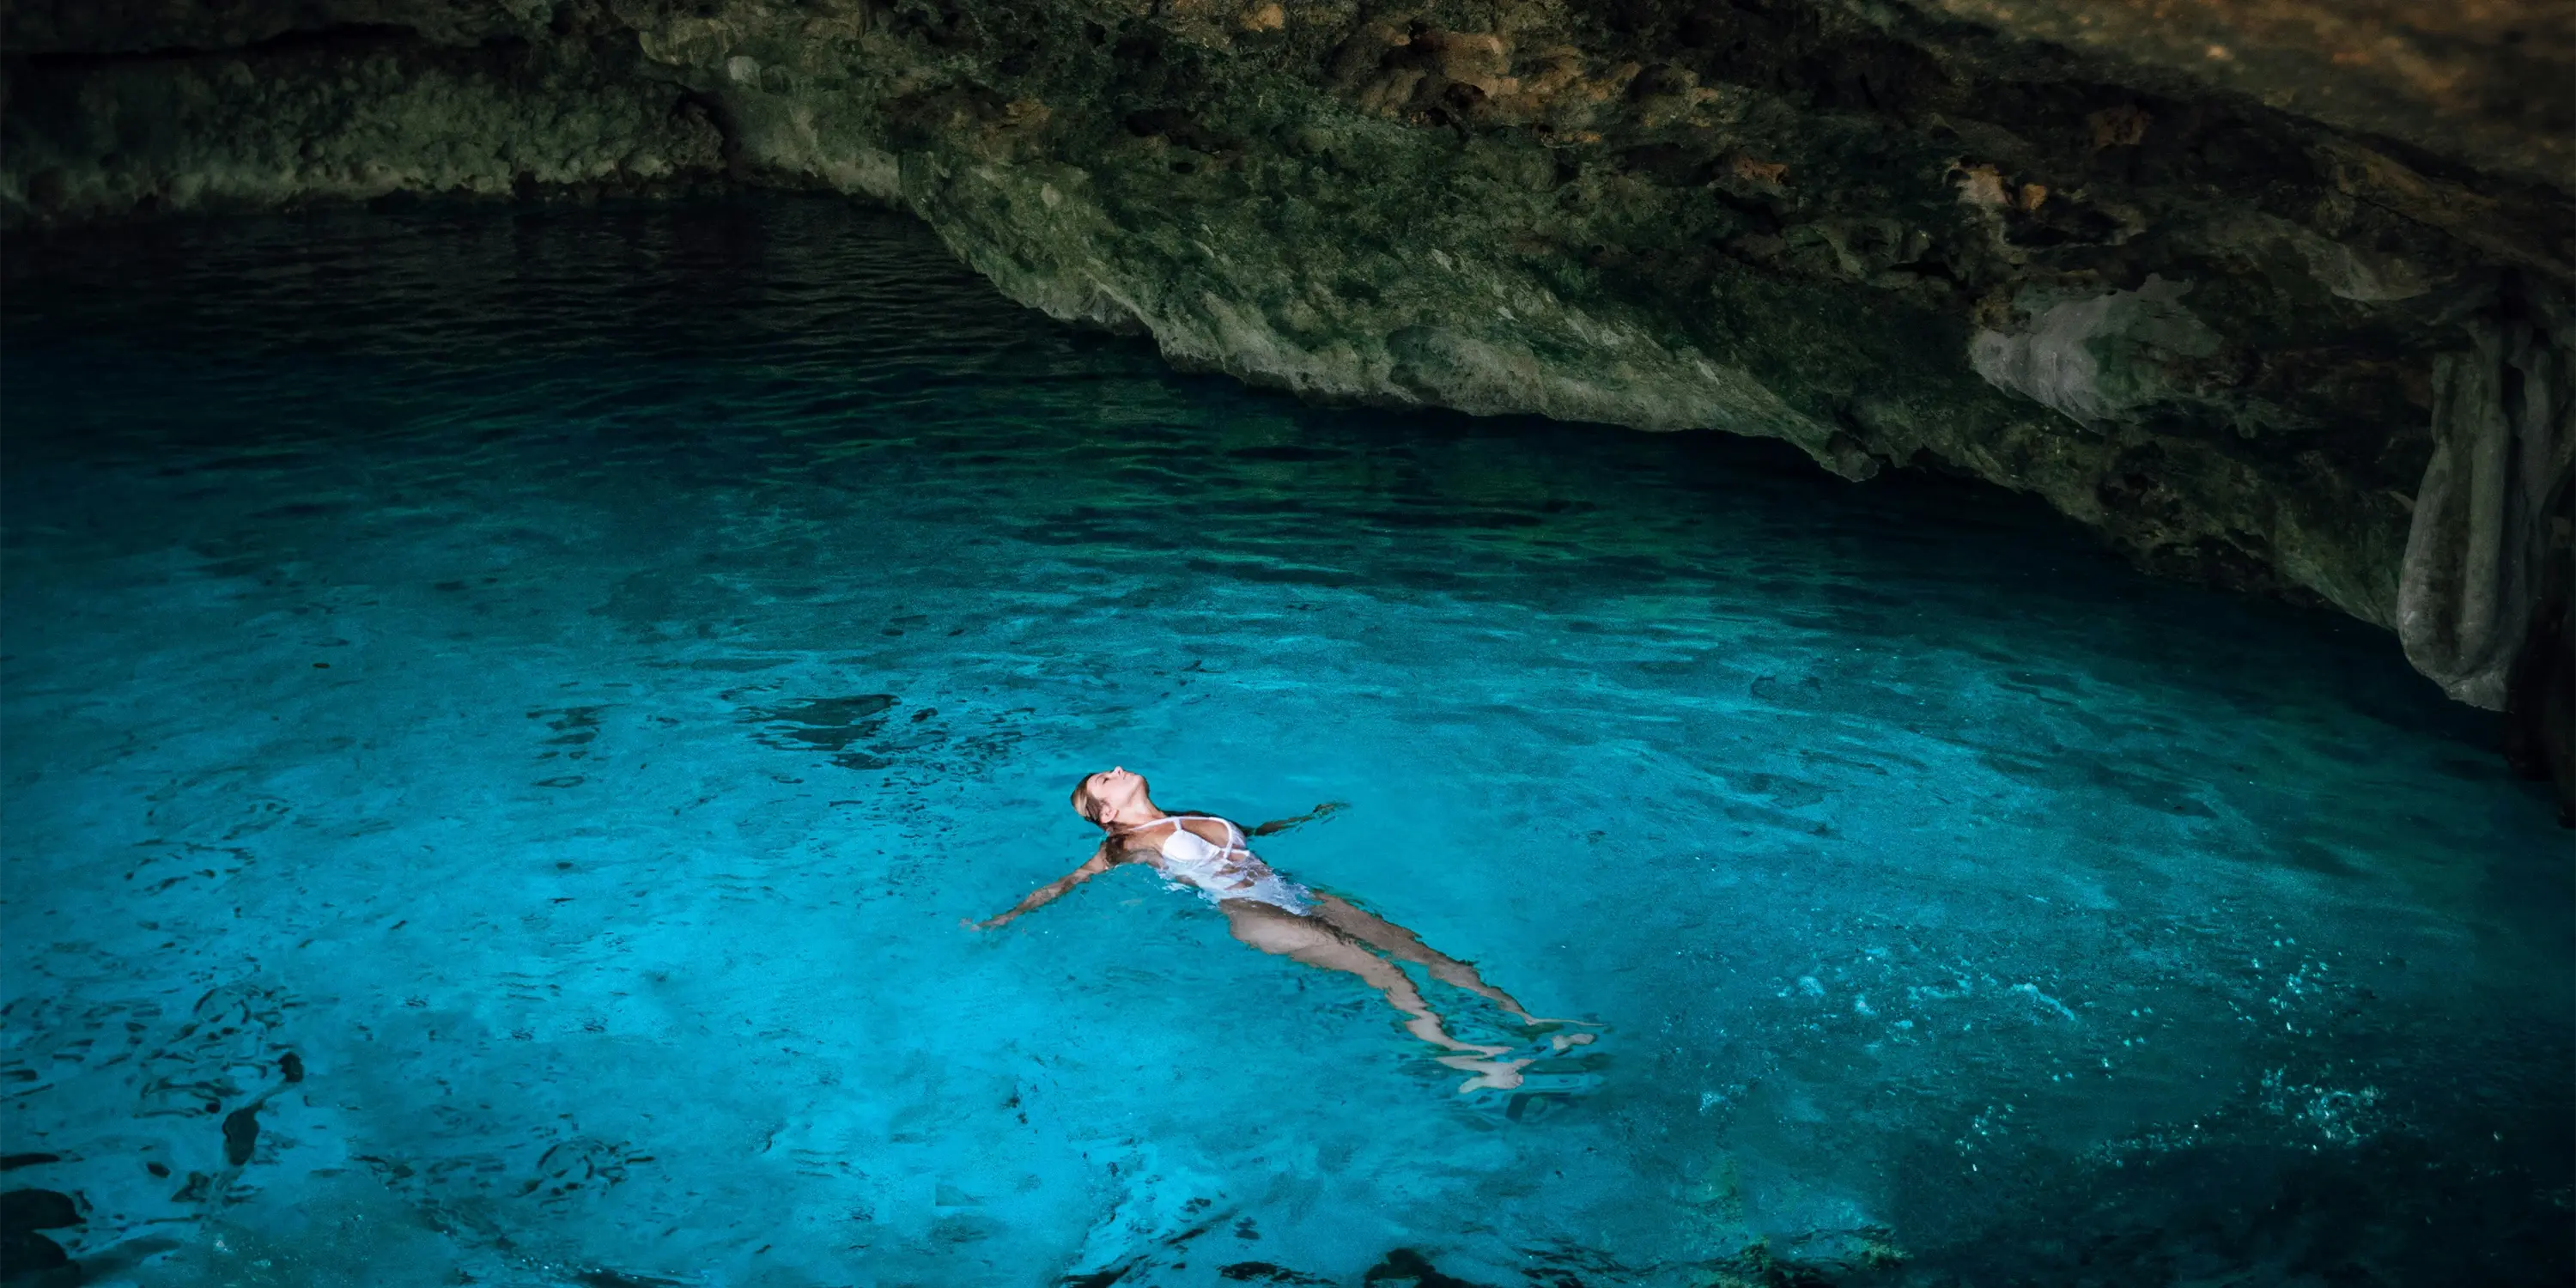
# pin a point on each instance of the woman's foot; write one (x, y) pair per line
(1427, 1027)
(1491, 1075)
(1560, 1041)
(1534, 1021)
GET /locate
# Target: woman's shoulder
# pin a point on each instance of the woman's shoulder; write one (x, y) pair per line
(1211, 828)
(1144, 838)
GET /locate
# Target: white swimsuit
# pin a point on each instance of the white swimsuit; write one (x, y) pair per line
(1228, 871)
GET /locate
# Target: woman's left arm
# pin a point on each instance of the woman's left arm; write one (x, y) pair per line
(1278, 825)
(1100, 862)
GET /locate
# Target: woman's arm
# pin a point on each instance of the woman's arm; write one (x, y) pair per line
(1283, 824)
(1100, 862)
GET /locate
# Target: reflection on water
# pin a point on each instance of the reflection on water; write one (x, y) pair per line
(503, 717)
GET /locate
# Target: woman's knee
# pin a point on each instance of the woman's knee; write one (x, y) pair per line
(1340, 915)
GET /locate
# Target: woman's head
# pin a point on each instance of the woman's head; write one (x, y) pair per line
(1111, 797)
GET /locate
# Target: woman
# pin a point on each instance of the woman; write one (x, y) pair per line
(1277, 915)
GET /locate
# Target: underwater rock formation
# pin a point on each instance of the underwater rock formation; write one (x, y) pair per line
(2273, 294)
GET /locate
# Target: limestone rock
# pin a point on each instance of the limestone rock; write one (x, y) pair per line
(2493, 505)
(2484, 82)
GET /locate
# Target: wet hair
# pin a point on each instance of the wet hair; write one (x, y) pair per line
(1086, 804)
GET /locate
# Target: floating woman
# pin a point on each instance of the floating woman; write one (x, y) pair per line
(1277, 915)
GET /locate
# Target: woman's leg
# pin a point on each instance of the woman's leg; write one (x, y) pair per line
(1369, 928)
(1275, 930)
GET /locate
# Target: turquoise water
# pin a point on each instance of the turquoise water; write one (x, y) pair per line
(563, 679)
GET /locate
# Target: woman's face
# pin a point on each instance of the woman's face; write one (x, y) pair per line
(1115, 792)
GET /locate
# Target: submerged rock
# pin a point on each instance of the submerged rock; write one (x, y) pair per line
(241, 1134)
(2260, 291)
(25, 1254)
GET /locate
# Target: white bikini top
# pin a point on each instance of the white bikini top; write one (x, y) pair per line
(1191, 858)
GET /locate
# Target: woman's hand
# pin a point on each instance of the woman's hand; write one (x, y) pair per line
(1099, 862)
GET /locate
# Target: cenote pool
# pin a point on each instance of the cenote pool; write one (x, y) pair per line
(504, 716)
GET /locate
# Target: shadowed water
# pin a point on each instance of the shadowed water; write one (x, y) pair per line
(562, 679)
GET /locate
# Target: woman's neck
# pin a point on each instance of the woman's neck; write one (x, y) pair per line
(1146, 816)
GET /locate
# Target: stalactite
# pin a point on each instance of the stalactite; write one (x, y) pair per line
(2504, 429)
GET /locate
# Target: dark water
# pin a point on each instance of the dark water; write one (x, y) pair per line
(562, 679)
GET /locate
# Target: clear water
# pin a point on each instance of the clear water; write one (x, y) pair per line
(564, 679)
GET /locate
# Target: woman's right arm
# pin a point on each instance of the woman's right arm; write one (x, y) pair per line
(1099, 862)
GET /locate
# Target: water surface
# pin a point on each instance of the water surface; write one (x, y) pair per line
(563, 678)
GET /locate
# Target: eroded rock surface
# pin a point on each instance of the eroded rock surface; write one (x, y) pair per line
(2252, 286)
